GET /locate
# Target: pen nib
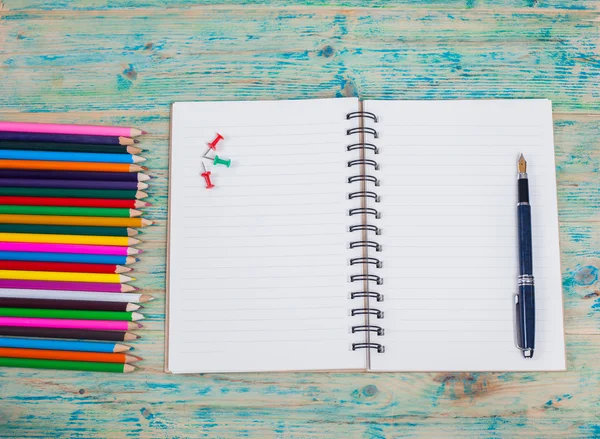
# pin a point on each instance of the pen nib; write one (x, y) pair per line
(522, 165)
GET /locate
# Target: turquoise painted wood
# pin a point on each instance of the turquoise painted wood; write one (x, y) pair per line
(124, 62)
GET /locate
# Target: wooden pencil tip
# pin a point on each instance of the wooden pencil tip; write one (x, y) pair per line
(132, 232)
(135, 316)
(122, 348)
(136, 141)
(120, 269)
(128, 368)
(144, 168)
(139, 325)
(144, 132)
(131, 359)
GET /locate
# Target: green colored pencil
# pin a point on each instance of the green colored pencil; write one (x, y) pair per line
(67, 230)
(69, 211)
(73, 147)
(37, 313)
(66, 365)
(72, 193)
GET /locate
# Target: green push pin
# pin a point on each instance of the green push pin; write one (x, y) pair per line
(220, 161)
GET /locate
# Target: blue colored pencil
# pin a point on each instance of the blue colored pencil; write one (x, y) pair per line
(62, 345)
(63, 156)
(67, 257)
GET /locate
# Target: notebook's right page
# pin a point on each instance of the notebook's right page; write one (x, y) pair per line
(449, 234)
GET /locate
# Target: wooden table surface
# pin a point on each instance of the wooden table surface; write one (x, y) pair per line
(125, 62)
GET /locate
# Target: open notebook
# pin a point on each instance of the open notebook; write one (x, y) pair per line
(347, 235)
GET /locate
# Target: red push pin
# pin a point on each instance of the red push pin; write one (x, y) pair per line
(213, 145)
(206, 175)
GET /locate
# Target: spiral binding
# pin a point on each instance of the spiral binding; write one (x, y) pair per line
(365, 278)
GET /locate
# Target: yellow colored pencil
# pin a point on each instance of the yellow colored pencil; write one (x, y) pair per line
(74, 220)
(64, 276)
(69, 239)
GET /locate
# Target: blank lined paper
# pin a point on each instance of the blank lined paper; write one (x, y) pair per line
(449, 234)
(258, 265)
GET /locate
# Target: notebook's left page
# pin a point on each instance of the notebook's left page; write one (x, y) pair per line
(258, 271)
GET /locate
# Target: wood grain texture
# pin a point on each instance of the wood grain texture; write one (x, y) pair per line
(124, 62)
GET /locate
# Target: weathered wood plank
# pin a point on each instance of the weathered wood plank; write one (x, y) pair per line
(134, 62)
(574, 5)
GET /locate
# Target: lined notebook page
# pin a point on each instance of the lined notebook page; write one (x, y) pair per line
(258, 272)
(448, 201)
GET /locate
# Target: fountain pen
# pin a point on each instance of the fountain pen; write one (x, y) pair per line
(525, 298)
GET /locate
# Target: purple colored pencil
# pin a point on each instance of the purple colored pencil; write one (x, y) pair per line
(69, 184)
(69, 175)
(65, 286)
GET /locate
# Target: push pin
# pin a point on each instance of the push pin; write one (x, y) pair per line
(206, 175)
(213, 145)
(219, 161)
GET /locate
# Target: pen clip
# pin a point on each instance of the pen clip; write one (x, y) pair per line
(517, 321)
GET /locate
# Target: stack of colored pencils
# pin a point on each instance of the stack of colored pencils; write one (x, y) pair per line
(69, 207)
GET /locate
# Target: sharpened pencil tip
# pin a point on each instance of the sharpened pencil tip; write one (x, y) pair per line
(137, 259)
(144, 132)
(136, 141)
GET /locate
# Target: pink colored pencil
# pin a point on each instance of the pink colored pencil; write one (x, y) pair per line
(66, 286)
(85, 130)
(67, 248)
(94, 325)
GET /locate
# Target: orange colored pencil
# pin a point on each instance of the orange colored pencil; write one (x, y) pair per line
(43, 354)
(74, 220)
(70, 166)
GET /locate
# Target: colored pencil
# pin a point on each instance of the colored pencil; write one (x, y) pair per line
(66, 365)
(53, 128)
(92, 325)
(72, 193)
(63, 345)
(67, 230)
(70, 166)
(67, 257)
(73, 202)
(63, 266)
(67, 156)
(73, 175)
(75, 295)
(44, 354)
(81, 305)
(77, 334)
(66, 286)
(74, 220)
(68, 239)
(70, 314)
(68, 248)
(75, 147)
(69, 211)
(65, 138)
(73, 184)
(59, 276)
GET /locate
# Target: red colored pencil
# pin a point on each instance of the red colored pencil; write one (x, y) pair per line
(81, 202)
(63, 266)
